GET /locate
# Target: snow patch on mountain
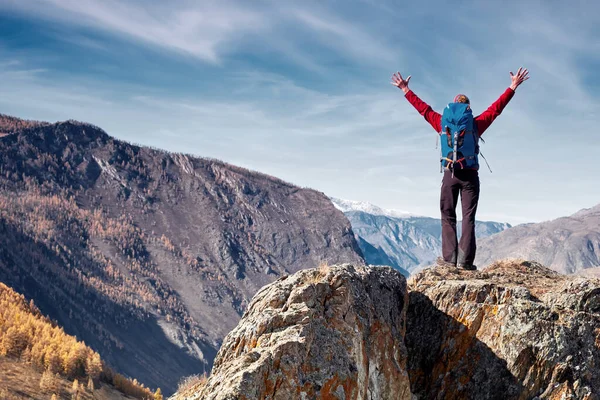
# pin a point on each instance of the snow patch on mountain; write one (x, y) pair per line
(369, 208)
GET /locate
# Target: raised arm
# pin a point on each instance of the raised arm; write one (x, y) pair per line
(434, 118)
(486, 118)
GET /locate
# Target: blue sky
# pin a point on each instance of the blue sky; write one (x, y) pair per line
(300, 89)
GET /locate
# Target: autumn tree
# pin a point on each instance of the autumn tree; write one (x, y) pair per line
(53, 363)
(93, 366)
(49, 382)
(74, 360)
(90, 385)
(75, 390)
(13, 343)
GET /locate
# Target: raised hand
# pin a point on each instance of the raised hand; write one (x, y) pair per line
(521, 76)
(400, 82)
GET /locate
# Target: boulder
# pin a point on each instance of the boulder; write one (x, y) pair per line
(327, 333)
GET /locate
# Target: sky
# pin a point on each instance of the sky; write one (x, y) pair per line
(301, 89)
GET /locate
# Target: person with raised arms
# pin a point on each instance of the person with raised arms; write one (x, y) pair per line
(459, 135)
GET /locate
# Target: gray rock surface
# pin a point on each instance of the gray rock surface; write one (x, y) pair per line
(327, 333)
(516, 330)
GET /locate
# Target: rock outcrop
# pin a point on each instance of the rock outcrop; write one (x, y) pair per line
(516, 330)
(327, 333)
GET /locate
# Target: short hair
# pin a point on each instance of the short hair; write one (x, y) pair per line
(461, 98)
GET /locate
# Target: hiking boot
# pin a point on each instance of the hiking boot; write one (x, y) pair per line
(468, 267)
(443, 263)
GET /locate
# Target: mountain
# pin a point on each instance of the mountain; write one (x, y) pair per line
(149, 257)
(568, 245)
(516, 330)
(38, 359)
(401, 240)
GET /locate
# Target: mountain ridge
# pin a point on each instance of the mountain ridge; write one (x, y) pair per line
(406, 242)
(567, 244)
(369, 208)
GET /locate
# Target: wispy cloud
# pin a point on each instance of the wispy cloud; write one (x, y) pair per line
(13, 70)
(350, 38)
(209, 30)
(301, 89)
(200, 29)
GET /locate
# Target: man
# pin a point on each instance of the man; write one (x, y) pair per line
(460, 177)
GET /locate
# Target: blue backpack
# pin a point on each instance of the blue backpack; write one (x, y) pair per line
(459, 138)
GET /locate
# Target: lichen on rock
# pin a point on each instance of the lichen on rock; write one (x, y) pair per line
(327, 333)
(515, 330)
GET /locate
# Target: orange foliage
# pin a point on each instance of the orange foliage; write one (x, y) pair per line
(27, 334)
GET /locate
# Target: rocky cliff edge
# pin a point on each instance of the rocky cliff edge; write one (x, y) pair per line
(516, 330)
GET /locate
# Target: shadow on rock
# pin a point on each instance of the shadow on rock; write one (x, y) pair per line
(447, 361)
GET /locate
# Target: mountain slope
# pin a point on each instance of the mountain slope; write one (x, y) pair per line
(403, 242)
(21, 381)
(568, 244)
(38, 359)
(150, 257)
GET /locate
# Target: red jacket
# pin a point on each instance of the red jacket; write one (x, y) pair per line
(483, 121)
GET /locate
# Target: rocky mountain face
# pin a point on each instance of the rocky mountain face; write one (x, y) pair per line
(516, 330)
(150, 257)
(388, 237)
(568, 244)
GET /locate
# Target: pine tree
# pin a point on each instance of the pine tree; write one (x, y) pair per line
(53, 363)
(48, 382)
(13, 343)
(75, 387)
(158, 395)
(93, 366)
(74, 360)
(76, 390)
(90, 385)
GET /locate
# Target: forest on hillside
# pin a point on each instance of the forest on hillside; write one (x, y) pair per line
(28, 336)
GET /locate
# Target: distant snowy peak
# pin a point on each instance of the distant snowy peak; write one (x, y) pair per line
(369, 208)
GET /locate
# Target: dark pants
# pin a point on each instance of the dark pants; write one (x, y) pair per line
(465, 182)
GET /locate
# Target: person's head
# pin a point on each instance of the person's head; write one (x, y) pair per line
(461, 98)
